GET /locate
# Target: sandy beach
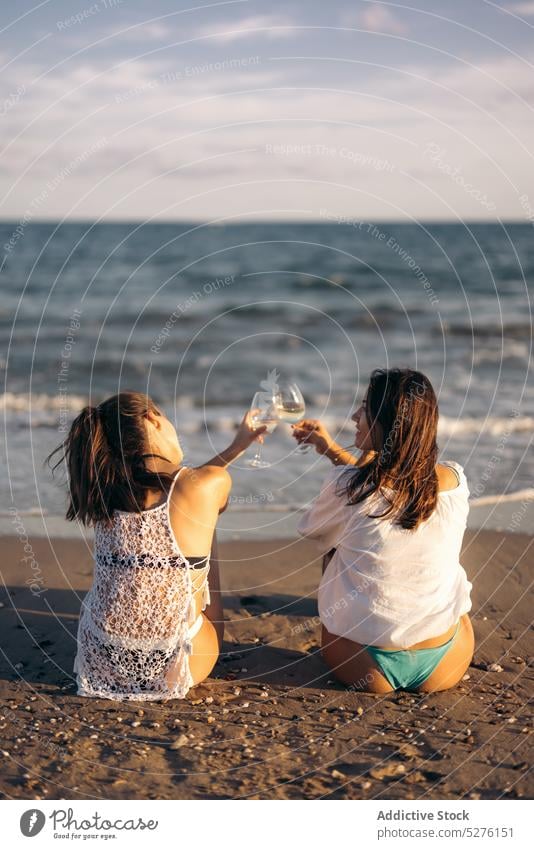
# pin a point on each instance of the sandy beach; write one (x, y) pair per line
(271, 723)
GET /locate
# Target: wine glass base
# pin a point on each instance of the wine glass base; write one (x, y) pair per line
(303, 449)
(258, 464)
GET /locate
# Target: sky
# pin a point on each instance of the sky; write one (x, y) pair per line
(252, 110)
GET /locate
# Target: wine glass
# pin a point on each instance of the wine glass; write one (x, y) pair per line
(264, 413)
(290, 407)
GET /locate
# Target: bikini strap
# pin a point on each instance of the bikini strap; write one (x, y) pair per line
(171, 488)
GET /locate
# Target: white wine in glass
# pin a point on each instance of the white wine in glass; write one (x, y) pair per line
(291, 407)
(264, 414)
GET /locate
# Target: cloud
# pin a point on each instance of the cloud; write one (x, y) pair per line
(144, 33)
(148, 31)
(156, 115)
(378, 18)
(491, 82)
(265, 26)
(522, 8)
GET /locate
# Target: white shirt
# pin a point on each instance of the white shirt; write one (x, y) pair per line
(385, 585)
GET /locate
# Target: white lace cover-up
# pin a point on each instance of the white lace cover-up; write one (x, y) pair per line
(135, 621)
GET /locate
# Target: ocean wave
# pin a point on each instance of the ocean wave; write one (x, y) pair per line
(494, 425)
(511, 329)
(512, 353)
(192, 419)
(30, 511)
(522, 495)
(41, 402)
(449, 426)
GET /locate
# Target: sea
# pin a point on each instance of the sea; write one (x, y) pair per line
(198, 315)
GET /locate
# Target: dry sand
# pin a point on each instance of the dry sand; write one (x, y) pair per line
(271, 723)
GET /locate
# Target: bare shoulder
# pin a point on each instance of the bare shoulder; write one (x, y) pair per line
(204, 480)
(447, 478)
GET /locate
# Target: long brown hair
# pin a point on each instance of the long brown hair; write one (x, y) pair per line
(402, 414)
(105, 452)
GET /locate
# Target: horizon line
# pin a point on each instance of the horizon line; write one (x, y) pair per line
(217, 222)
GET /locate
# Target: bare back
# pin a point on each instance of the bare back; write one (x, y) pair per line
(199, 496)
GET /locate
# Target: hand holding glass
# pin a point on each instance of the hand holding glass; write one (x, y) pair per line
(263, 413)
(290, 407)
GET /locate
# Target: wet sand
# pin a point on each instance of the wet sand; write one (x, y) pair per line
(271, 723)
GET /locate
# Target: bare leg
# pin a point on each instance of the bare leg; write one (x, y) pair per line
(205, 651)
(453, 666)
(352, 665)
(349, 661)
(214, 611)
(207, 643)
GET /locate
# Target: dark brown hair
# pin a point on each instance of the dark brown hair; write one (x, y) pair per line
(402, 414)
(105, 453)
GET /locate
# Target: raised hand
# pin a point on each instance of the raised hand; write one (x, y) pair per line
(313, 432)
(248, 431)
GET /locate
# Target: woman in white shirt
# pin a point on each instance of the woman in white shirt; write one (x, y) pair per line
(394, 598)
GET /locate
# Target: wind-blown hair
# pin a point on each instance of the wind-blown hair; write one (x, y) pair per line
(105, 452)
(402, 414)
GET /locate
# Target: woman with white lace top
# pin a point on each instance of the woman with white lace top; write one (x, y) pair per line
(151, 625)
(394, 597)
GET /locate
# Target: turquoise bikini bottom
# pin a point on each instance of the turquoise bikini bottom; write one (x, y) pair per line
(408, 669)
